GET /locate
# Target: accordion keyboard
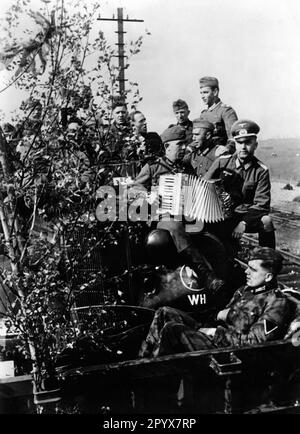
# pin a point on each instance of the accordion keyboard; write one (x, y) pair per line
(187, 195)
(170, 191)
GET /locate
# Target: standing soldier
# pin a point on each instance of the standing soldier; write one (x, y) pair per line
(181, 111)
(218, 113)
(119, 129)
(118, 147)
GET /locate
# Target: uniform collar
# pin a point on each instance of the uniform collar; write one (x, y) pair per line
(262, 289)
(168, 162)
(186, 125)
(216, 104)
(123, 127)
(177, 166)
(246, 166)
(259, 290)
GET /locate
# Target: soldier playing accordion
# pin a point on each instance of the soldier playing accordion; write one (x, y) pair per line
(174, 141)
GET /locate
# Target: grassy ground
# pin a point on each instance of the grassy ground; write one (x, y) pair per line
(282, 156)
(287, 237)
(285, 199)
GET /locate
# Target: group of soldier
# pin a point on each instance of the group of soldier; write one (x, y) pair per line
(216, 145)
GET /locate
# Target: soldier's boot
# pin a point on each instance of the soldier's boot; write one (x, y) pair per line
(205, 274)
(267, 239)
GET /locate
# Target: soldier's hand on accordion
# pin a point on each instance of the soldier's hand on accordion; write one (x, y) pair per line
(226, 199)
(153, 198)
(138, 196)
(195, 198)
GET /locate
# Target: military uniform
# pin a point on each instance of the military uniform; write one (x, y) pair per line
(118, 148)
(149, 177)
(202, 151)
(250, 184)
(150, 173)
(188, 127)
(222, 116)
(175, 225)
(113, 139)
(255, 315)
(244, 175)
(202, 160)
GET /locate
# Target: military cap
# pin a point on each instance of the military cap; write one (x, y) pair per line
(203, 123)
(271, 259)
(209, 81)
(244, 128)
(179, 104)
(173, 133)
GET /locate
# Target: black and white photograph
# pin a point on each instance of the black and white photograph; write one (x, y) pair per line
(149, 211)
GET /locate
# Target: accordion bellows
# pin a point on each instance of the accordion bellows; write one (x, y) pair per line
(195, 198)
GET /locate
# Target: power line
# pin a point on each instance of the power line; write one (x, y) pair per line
(121, 52)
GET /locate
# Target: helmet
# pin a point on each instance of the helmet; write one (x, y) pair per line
(160, 247)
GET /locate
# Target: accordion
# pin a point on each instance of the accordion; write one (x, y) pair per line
(194, 198)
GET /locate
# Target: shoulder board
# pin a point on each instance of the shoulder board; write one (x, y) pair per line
(291, 294)
(225, 105)
(226, 156)
(262, 165)
(279, 292)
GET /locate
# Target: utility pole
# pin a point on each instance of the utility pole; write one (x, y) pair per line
(121, 52)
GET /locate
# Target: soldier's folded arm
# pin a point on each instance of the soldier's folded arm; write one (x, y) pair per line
(269, 326)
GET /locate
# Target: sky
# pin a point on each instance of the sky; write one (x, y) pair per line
(252, 47)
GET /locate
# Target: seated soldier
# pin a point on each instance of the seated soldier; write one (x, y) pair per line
(248, 179)
(174, 140)
(258, 312)
(294, 327)
(204, 149)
